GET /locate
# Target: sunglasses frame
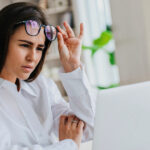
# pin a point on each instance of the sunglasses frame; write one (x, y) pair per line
(40, 25)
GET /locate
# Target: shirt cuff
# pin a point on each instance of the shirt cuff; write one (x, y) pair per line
(75, 74)
(67, 144)
(75, 83)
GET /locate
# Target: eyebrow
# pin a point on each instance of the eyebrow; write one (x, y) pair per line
(41, 45)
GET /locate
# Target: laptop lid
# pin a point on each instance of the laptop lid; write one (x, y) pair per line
(123, 118)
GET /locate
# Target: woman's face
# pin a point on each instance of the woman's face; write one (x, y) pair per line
(24, 54)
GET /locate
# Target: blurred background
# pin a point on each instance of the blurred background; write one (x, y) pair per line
(116, 47)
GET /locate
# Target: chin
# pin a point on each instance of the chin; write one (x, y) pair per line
(24, 77)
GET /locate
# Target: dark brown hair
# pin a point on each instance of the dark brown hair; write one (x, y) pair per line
(9, 16)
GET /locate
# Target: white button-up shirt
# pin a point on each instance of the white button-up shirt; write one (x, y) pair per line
(29, 119)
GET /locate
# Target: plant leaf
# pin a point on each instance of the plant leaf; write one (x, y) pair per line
(112, 58)
(111, 86)
(93, 49)
(104, 38)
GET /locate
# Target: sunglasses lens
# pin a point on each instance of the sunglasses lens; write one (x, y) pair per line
(32, 27)
(50, 32)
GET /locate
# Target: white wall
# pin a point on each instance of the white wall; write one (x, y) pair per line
(131, 27)
(4, 3)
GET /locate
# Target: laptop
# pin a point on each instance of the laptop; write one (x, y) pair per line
(122, 119)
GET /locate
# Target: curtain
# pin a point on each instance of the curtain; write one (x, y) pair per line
(96, 16)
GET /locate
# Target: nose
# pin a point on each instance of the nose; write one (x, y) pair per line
(32, 55)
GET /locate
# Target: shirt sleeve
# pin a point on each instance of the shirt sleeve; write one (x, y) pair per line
(81, 101)
(67, 144)
(7, 144)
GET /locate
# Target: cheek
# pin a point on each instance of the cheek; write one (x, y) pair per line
(39, 56)
(14, 55)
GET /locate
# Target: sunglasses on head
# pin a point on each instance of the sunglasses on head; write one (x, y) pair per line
(33, 28)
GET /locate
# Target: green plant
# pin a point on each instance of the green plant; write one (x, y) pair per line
(99, 44)
(108, 87)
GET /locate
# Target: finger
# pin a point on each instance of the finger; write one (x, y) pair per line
(63, 52)
(69, 30)
(62, 121)
(60, 41)
(64, 34)
(69, 122)
(75, 124)
(81, 125)
(81, 31)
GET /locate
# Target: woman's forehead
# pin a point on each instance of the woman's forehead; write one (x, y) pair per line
(21, 33)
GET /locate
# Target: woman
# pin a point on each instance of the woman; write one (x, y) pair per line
(33, 115)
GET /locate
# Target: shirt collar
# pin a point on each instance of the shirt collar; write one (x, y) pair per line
(4, 82)
(27, 87)
(23, 86)
(1, 81)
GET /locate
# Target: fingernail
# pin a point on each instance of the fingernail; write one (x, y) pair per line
(65, 23)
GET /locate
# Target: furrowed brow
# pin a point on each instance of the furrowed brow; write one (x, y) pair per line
(26, 42)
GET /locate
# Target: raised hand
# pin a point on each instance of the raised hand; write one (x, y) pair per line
(69, 47)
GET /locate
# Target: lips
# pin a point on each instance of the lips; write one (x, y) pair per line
(27, 68)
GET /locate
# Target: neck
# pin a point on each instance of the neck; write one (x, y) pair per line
(7, 76)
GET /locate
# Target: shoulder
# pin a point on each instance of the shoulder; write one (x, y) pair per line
(41, 83)
(42, 80)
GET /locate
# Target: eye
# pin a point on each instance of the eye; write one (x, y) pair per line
(40, 49)
(24, 45)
